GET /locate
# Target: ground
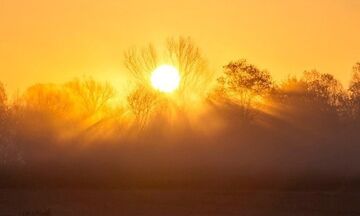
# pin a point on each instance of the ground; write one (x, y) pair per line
(69, 202)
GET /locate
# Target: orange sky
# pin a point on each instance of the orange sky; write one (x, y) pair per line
(54, 41)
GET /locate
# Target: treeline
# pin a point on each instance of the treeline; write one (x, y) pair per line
(239, 106)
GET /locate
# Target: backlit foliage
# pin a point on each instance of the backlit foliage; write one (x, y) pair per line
(83, 111)
(354, 93)
(324, 88)
(244, 85)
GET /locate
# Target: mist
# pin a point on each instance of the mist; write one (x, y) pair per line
(238, 128)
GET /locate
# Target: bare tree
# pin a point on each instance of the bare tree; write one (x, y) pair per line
(47, 98)
(187, 57)
(142, 101)
(93, 95)
(181, 53)
(140, 63)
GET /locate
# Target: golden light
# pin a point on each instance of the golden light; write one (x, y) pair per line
(165, 78)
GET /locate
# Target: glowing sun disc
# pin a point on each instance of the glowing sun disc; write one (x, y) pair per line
(165, 78)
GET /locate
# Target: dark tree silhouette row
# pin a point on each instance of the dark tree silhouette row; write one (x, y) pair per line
(241, 96)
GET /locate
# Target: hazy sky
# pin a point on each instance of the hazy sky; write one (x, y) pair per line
(57, 40)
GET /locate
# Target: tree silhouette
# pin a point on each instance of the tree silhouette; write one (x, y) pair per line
(142, 102)
(3, 104)
(47, 99)
(325, 90)
(315, 102)
(187, 57)
(244, 85)
(9, 151)
(3, 115)
(92, 95)
(180, 52)
(140, 63)
(354, 93)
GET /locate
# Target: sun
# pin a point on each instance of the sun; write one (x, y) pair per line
(165, 78)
